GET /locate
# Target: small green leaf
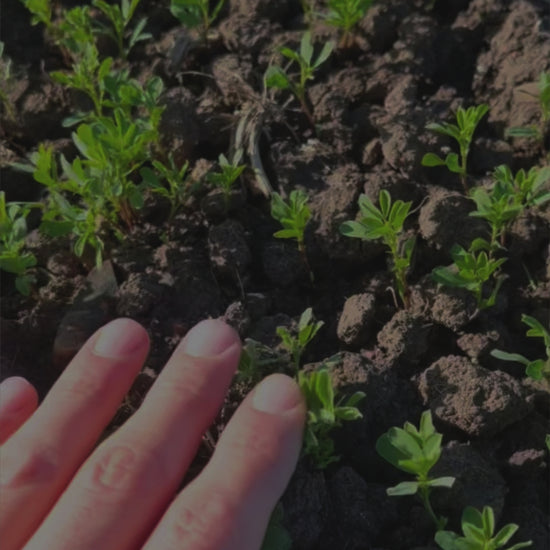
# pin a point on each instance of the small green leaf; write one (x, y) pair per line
(404, 488)
(431, 159)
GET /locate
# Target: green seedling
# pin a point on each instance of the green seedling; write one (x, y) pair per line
(324, 413)
(73, 32)
(537, 132)
(293, 216)
(306, 331)
(478, 529)
(415, 451)
(119, 17)
(539, 368)
(547, 441)
(61, 217)
(344, 15)
(196, 13)
(472, 269)
(257, 361)
(178, 188)
(111, 90)
(97, 189)
(528, 188)
(277, 77)
(88, 76)
(13, 231)
(508, 197)
(41, 12)
(386, 223)
(463, 132)
(229, 173)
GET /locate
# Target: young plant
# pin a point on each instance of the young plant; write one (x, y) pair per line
(508, 197)
(277, 77)
(293, 216)
(547, 441)
(119, 17)
(13, 231)
(528, 188)
(97, 189)
(344, 15)
(539, 368)
(178, 186)
(306, 331)
(41, 12)
(478, 529)
(196, 13)
(324, 414)
(257, 361)
(498, 207)
(88, 76)
(228, 174)
(415, 451)
(463, 132)
(471, 270)
(386, 223)
(537, 132)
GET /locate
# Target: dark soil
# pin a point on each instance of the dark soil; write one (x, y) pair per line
(409, 65)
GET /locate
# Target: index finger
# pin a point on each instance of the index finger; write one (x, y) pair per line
(42, 457)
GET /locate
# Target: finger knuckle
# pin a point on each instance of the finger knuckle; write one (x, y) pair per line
(28, 463)
(119, 469)
(206, 524)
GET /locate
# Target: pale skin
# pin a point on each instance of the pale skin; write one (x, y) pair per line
(59, 489)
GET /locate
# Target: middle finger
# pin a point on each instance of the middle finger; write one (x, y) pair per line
(122, 490)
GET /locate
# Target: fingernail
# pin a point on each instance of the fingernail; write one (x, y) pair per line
(276, 395)
(209, 338)
(118, 339)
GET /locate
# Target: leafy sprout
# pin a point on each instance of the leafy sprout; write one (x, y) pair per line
(538, 368)
(472, 269)
(306, 330)
(196, 13)
(41, 12)
(508, 197)
(229, 173)
(386, 223)
(13, 232)
(277, 77)
(467, 121)
(345, 14)
(479, 533)
(178, 187)
(415, 451)
(324, 413)
(293, 216)
(119, 17)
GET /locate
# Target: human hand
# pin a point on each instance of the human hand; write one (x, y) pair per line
(59, 492)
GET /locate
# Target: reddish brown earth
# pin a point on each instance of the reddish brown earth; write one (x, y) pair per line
(410, 65)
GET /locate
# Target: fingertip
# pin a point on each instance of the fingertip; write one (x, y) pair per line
(17, 393)
(209, 338)
(277, 394)
(120, 338)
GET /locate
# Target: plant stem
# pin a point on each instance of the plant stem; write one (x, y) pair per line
(425, 498)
